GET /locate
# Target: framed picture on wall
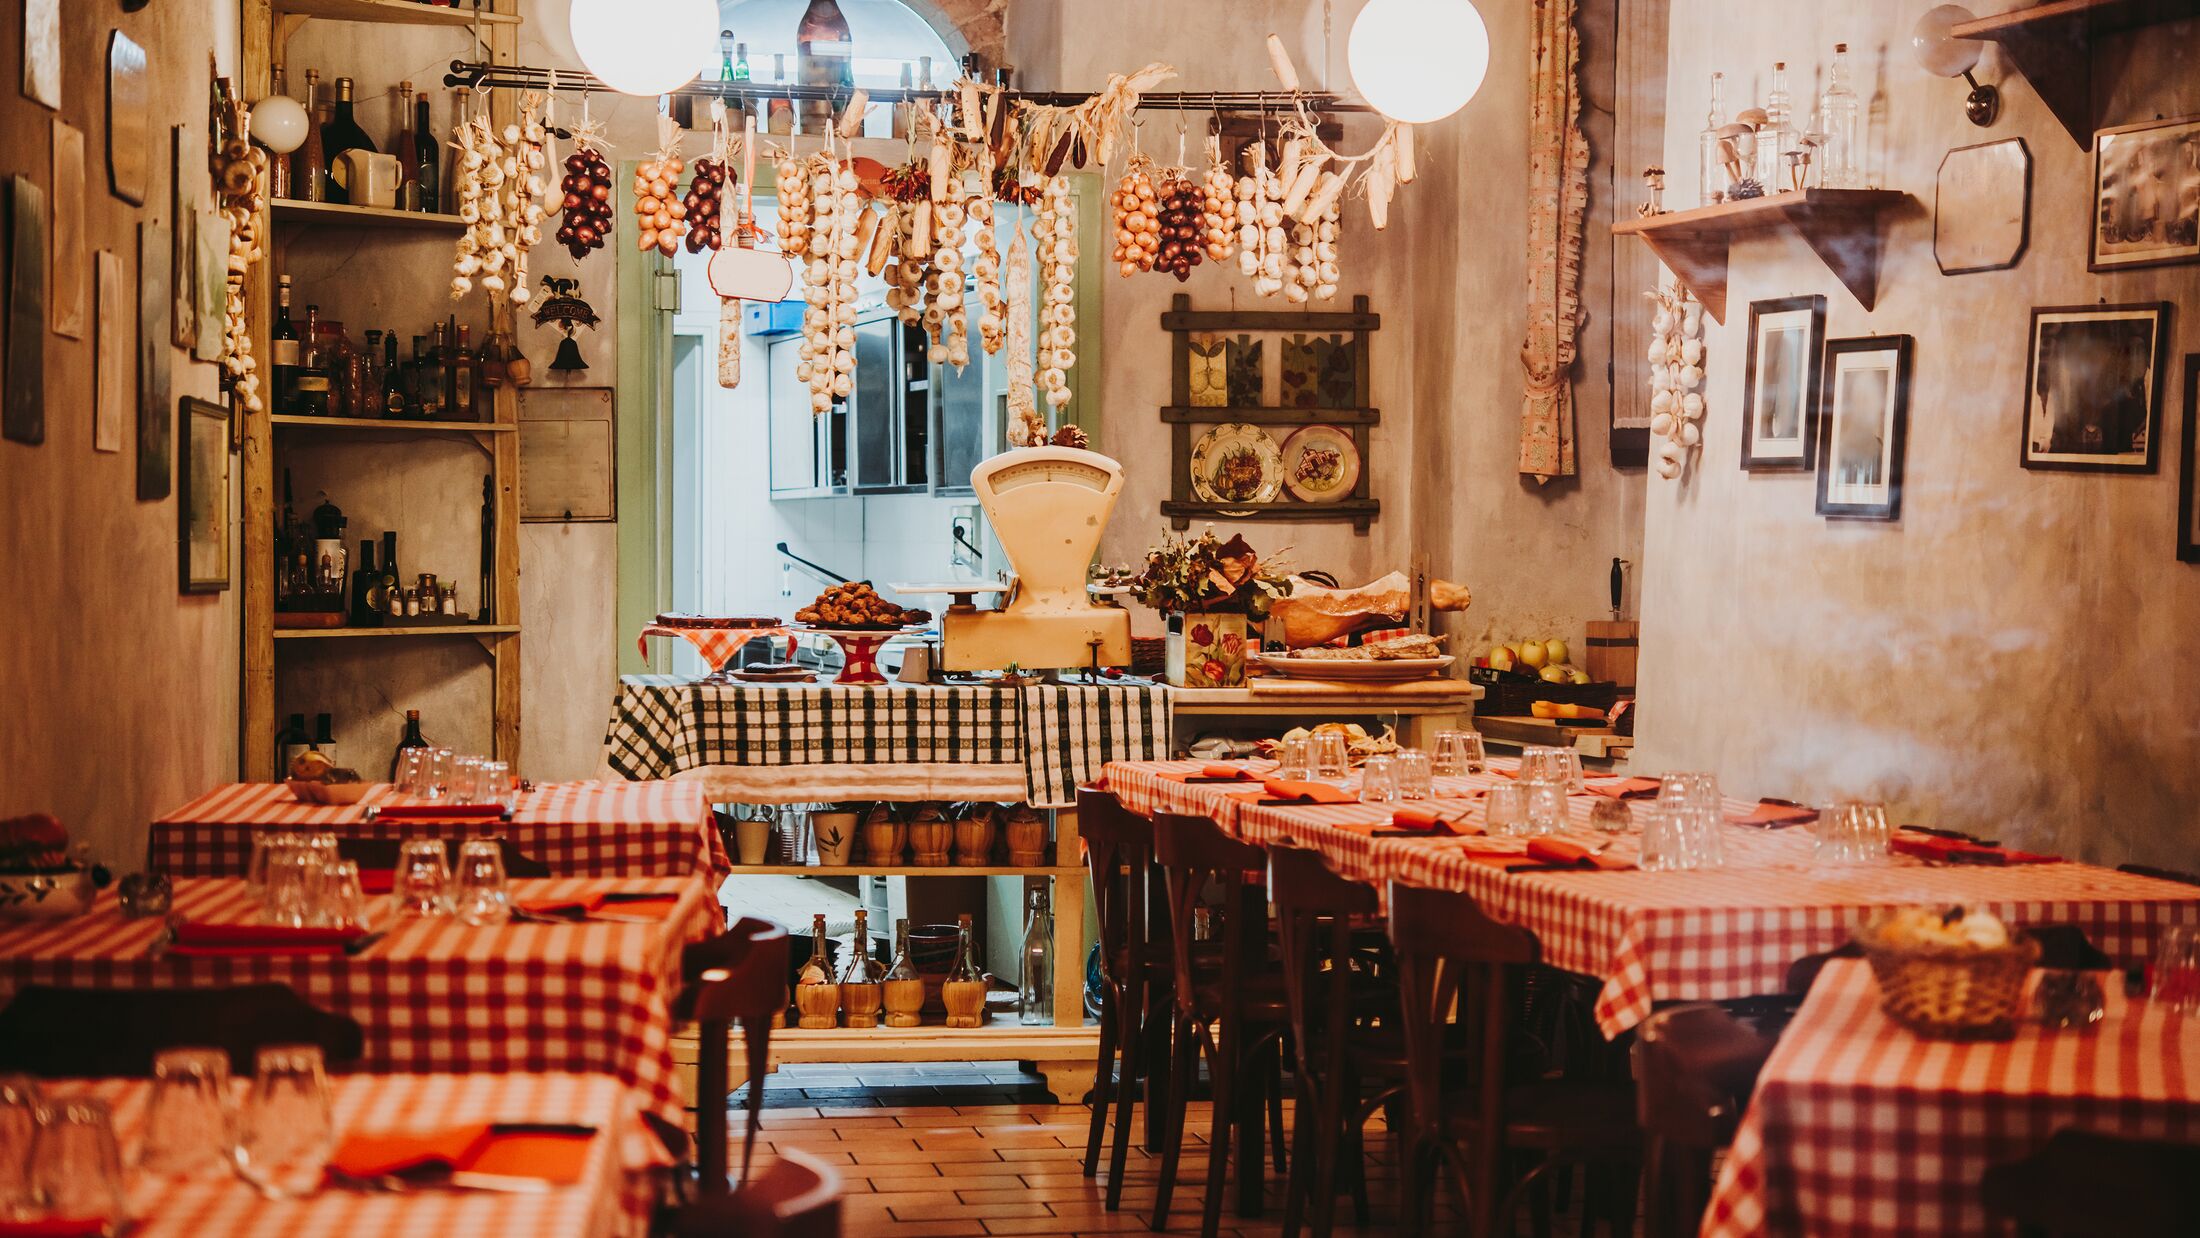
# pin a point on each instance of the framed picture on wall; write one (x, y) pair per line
(203, 474)
(1865, 429)
(2188, 520)
(2146, 194)
(1780, 384)
(2093, 387)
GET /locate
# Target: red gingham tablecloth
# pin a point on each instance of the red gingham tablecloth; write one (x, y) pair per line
(580, 829)
(1699, 935)
(434, 996)
(1859, 1127)
(612, 1198)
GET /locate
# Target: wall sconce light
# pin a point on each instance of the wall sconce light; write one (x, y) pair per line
(1944, 55)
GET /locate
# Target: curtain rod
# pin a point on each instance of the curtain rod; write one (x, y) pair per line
(475, 75)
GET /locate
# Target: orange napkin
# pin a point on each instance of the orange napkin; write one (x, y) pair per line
(1218, 770)
(1957, 851)
(1313, 792)
(655, 906)
(438, 812)
(1432, 821)
(1769, 813)
(208, 939)
(1624, 788)
(1559, 851)
(520, 1151)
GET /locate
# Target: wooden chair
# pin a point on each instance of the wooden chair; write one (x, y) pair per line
(1348, 1057)
(749, 984)
(1451, 954)
(1137, 976)
(2086, 1185)
(383, 853)
(798, 1197)
(54, 1031)
(1229, 1004)
(1695, 1067)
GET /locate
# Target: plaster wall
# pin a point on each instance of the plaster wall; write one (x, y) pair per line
(2014, 656)
(119, 694)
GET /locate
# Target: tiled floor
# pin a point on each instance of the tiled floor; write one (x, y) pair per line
(980, 1149)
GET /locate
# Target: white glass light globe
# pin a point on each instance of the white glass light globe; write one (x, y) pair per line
(1939, 52)
(1418, 60)
(644, 48)
(278, 123)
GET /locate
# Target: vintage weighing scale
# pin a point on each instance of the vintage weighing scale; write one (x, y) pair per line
(1048, 506)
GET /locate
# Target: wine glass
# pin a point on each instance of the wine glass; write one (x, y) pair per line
(288, 1130)
(187, 1121)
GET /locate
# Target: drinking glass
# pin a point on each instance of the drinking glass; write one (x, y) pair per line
(423, 878)
(187, 1120)
(19, 1106)
(2177, 967)
(321, 859)
(413, 768)
(1416, 779)
(1706, 837)
(344, 900)
(288, 900)
(1546, 806)
(439, 773)
(1664, 844)
(1459, 753)
(287, 1130)
(1295, 759)
(1852, 833)
(1568, 764)
(75, 1165)
(496, 785)
(1611, 816)
(1332, 758)
(1689, 789)
(1538, 763)
(1505, 810)
(482, 898)
(1379, 779)
(264, 845)
(466, 780)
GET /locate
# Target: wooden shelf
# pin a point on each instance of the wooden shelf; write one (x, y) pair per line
(339, 214)
(2052, 45)
(1361, 512)
(373, 423)
(1841, 226)
(1308, 320)
(897, 870)
(1203, 414)
(391, 13)
(439, 629)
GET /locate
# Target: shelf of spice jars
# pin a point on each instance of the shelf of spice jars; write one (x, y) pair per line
(394, 423)
(1841, 226)
(292, 211)
(394, 12)
(436, 629)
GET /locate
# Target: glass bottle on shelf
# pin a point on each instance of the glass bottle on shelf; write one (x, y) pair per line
(291, 742)
(963, 993)
(903, 988)
(393, 378)
(824, 56)
(733, 70)
(1779, 136)
(283, 346)
(278, 167)
(411, 738)
(366, 596)
(453, 172)
(309, 163)
(816, 996)
(1837, 119)
(860, 993)
(408, 152)
(310, 396)
(342, 134)
(1035, 1003)
(465, 378)
(781, 110)
(905, 109)
(427, 156)
(1710, 168)
(370, 393)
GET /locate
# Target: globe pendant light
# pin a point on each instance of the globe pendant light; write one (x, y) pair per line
(1418, 60)
(642, 47)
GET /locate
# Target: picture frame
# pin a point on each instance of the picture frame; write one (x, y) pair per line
(2093, 387)
(23, 397)
(1982, 207)
(2146, 195)
(203, 496)
(129, 119)
(1781, 407)
(1865, 431)
(156, 452)
(2188, 521)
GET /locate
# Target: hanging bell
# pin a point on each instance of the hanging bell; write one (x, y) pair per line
(569, 356)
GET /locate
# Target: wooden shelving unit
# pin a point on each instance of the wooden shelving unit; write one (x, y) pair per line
(2052, 45)
(1841, 226)
(267, 26)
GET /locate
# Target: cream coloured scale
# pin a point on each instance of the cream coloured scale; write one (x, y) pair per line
(1048, 507)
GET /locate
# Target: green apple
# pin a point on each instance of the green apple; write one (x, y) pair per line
(1501, 658)
(1582, 677)
(1533, 655)
(1556, 649)
(1554, 674)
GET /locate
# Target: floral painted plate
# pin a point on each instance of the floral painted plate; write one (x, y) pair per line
(1320, 464)
(1237, 463)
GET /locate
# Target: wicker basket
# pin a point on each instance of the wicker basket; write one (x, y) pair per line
(1950, 992)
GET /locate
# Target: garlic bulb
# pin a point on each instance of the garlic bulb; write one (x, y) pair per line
(1056, 231)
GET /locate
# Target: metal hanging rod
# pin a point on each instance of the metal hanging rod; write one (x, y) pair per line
(476, 75)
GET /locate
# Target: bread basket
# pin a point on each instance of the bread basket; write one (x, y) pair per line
(1949, 991)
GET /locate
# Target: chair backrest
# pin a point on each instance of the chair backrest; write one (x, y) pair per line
(1118, 851)
(798, 1197)
(373, 853)
(1314, 910)
(1195, 854)
(54, 1031)
(1695, 1067)
(748, 984)
(1449, 952)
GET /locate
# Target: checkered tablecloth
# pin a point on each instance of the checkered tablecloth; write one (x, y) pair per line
(1859, 1127)
(580, 829)
(1053, 737)
(434, 996)
(1675, 936)
(611, 1199)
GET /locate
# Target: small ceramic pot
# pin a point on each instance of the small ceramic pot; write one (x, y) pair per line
(836, 836)
(54, 894)
(884, 836)
(752, 837)
(1026, 832)
(930, 835)
(974, 836)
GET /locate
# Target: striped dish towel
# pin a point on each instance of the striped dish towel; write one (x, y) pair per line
(1070, 731)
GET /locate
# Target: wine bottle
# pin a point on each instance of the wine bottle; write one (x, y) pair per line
(410, 739)
(964, 990)
(324, 735)
(487, 613)
(278, 168)
(283, 348)
(309, 163)
(408, 152)
(366, 589)
(312, 381)
(427, 156)
(1036, 999)
(291, 742)
(816, 995)
(342, 133)
(902, 992)
(465, 378)
(860, 995)
(423, 396)
(392, 394)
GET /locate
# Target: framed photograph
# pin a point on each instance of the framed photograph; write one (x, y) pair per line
(1982, 207)
(2188, 520)
(1780, 405)
(2093, 388)
(2146, 194)
(1867, 423)
(203, 540)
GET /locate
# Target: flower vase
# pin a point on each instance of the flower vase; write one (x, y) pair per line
(1206, 649)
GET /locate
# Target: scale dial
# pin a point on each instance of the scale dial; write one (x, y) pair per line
(1023, 473)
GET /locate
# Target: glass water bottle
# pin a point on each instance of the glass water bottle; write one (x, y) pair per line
(859, 983)
(1779, 136)
(1837, 118)
(903, 994)
(1710, 169)
(964, 992)
(1036, 1002)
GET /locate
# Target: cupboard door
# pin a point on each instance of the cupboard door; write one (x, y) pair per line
(795, 432)
(875, 408)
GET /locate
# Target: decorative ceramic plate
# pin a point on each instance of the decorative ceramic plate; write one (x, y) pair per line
(1320, 464)
(1349, 670)
(1237, 463)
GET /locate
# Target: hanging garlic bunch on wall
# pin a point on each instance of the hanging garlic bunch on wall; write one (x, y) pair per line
(1676, 357)
(1056, 231)
(1218, 205)
(500, 201)
(944, 319)
(1026, 427)
(992, 316)
(828, 322)
(1262, 244)
(1326, 270)
(240, 177)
